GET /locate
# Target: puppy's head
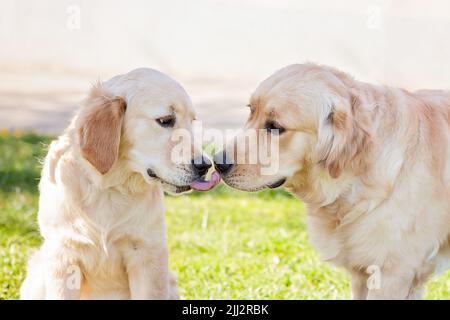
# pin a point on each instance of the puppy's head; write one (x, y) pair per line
(131, 119)
(311, 111)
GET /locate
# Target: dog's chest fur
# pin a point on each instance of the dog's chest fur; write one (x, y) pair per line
(123, 226)
(367, 225)
(103, 227)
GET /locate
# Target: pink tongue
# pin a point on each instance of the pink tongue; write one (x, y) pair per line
(206, 185)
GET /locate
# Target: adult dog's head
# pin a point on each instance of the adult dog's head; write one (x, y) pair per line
(313, 111)
(126, 126)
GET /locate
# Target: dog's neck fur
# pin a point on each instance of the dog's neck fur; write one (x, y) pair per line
(100, 207)
(119, 177)
(116, 187)
(314, 186)
(334, 197)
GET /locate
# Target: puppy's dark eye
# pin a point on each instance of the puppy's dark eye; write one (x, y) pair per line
(274, 127)
(166, 122)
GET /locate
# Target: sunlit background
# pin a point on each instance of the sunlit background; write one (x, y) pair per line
(219, 50)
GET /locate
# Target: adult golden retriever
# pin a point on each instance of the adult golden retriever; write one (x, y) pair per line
(372, 165)
(101, 210)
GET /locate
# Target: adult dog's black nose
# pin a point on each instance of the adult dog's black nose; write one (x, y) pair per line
(222, 163)
(201, 165)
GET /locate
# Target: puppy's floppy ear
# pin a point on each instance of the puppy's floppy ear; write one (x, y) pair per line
(341, 136)
(99, 128)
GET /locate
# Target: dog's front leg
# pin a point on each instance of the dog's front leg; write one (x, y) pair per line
(148, 273)
(359, 285)
(63, 278)
(392, 285)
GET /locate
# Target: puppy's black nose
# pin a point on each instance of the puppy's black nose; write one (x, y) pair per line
(201, 165)
(222, 163)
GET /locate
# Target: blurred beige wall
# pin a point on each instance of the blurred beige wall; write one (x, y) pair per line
(227, 46)
(401, 41)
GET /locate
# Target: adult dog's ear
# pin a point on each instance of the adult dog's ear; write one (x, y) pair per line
(341, 136)
(99, 128)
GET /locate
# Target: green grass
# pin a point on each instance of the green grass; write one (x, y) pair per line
(223, 244)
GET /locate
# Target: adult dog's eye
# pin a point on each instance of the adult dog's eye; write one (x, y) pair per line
(166, 122)
(274, 127)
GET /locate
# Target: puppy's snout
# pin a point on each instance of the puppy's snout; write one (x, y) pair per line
(222, 163)
(201, 165)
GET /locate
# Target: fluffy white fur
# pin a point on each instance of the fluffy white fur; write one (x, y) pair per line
(372, 165)
(100, 214)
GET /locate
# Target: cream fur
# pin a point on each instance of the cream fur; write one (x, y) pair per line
(110, 225)
(372, 165)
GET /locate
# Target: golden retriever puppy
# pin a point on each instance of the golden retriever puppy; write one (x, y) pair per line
(372, 165)
(101, 210)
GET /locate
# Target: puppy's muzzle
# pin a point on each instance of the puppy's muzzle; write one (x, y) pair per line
(201, 165)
